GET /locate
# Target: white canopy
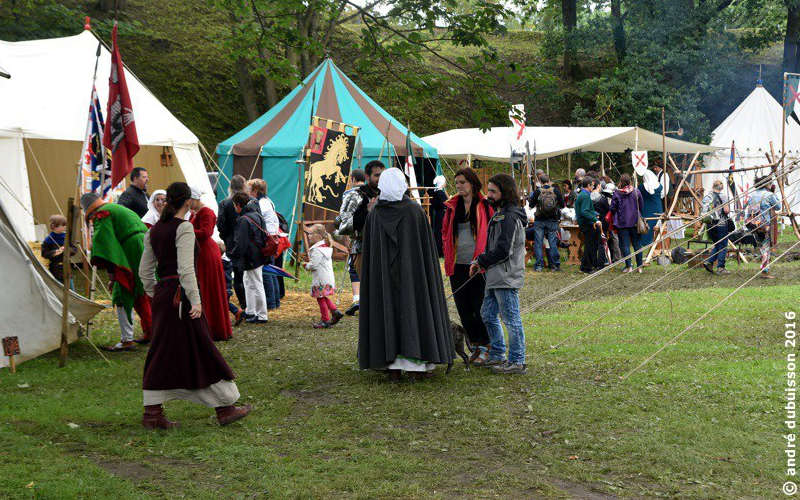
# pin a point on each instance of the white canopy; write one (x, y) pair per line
(46, 100)
(495, 143)
(753, 125)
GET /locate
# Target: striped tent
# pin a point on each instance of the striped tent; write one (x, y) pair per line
(269, 147)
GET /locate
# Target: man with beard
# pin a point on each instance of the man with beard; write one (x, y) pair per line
(403, 323)
(356, 203)
(503, 262)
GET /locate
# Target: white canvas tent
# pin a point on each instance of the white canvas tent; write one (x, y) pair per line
(495, 143)
(31, 308)
(753, 125)
(44, 108)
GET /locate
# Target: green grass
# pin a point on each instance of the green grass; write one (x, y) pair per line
(702, 419)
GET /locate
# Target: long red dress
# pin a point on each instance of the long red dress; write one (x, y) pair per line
(210, 275)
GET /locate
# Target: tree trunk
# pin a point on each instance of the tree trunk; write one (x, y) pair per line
(271, 91)
(246, 88)
(112, 5)
(619, 30)
(791, 43)
(569, 14)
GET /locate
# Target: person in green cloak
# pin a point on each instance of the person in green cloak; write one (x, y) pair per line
(117, 246)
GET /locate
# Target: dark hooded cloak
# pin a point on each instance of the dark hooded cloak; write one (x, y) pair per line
(403, 309)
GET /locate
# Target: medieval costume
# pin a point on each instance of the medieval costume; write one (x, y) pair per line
(652, 204)
(152, 215)
(403, 323)
(183, 362)
(117, 247)
(211, 276)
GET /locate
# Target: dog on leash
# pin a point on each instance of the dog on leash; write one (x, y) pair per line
(459, 341)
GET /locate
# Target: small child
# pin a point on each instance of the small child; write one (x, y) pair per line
(323, 284)
(53, 246)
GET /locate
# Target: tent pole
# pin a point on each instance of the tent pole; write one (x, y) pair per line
(65, 259)
(603, 164)
(569, 165)
(547, 165)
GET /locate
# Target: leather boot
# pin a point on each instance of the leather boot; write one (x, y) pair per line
(229, 414)
(154, 418)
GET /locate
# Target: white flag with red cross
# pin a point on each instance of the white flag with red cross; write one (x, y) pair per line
(639, 160)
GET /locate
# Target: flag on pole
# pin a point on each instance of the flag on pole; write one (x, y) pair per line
(731, 180)
(119, 134)
(96, 166)
(791, 93)
(408, 169)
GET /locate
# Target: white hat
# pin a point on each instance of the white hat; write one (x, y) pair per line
(609, 188)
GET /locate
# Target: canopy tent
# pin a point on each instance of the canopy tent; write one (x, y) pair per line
(45, 108)
(269, 147)
(495, 144)
(753, 125)
(31, 308)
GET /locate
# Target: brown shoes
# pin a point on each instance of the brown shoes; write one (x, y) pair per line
(229, 414)
(154, 418)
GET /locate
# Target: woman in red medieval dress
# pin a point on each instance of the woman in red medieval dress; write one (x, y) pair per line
(210, 275)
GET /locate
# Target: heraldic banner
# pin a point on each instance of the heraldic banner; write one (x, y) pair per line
(330, 153)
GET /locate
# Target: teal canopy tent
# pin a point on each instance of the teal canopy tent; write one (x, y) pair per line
(269, 147)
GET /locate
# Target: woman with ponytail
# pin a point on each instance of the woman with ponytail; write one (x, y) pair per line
(183, 362)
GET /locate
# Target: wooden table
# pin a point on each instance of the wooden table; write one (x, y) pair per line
(575, 243)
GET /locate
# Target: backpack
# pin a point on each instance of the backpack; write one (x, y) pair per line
(547, 204)
(271, 245)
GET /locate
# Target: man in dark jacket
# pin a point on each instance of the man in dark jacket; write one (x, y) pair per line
(246, 255)
(590, 226)
(548, 202)
(135, 197)
(226, 225)
(504, 265)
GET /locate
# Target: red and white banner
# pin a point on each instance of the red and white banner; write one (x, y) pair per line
(120, 130)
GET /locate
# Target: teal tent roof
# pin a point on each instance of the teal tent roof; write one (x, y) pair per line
(283, 130)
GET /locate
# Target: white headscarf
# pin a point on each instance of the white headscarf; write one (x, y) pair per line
(392, 185)
(197, 193)
(439, 181)
(650, 181)
(152, 215)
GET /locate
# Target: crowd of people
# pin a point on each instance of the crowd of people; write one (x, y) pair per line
(166, 261)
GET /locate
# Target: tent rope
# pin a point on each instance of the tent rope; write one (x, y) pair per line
(631, 297)
(580, 282)
(705, 314)
(44, 178)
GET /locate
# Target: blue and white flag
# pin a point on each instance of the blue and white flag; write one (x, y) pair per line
(95, 156)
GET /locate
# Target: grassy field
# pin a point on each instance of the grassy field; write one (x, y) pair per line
(703, 419)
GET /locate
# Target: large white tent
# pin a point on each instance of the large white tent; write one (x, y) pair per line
(495, 144)
(753, 125)
(44, 109)
(30, 301)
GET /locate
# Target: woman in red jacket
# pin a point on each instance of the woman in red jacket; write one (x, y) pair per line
(210, 275)
(464, 232)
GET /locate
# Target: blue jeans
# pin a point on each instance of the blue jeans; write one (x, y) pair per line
(546, 229)
(505, 303)
(271, 289)
(719, 234)
(628, 235)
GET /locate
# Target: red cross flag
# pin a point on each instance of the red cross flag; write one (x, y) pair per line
(639, 160)
(120, 130)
